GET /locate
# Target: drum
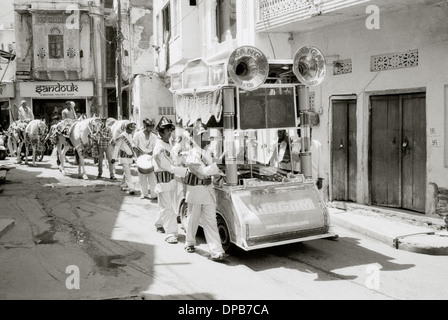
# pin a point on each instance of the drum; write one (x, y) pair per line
(144, 164)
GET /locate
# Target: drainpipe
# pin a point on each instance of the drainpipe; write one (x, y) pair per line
(305, 132)
(98, 61)
(229, 137)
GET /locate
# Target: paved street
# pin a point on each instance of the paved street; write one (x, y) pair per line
(62, 221)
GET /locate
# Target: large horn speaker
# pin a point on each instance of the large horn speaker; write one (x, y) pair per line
(309, 65)
(248, 67)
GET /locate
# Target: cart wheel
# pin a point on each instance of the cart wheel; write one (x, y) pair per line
(224, 233)
(183, 216)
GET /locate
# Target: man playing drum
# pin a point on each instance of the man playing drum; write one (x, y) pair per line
(144, 142)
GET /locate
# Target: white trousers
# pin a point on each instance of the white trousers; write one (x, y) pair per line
(206, 215)
(147, 182)
(167, 216)
(127, 177)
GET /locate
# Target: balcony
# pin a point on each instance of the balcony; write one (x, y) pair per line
(306, 15)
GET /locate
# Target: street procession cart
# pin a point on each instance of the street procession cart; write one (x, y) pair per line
(246, 102)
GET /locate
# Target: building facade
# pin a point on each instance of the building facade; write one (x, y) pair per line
(7, 67)
(383, 104)
(145, 93)
(60, 48)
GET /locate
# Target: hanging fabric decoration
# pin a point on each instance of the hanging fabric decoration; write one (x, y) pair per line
(192, 107)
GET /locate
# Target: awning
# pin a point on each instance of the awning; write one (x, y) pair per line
(192, 107)
(7, 55)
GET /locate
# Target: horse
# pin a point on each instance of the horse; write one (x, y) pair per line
(79, 137)
(35, 133)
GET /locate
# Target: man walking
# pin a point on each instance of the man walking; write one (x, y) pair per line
(126, 156)
(69, 111)
(201, 200)
(165, 169)
(104, 138)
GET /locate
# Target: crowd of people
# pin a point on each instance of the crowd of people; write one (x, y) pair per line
(189, 163)
(182, 156)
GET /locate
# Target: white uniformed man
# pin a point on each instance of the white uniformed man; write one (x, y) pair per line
(165, 168)
(126, 156)
(201, 200)
(144, 142)
(25, 112)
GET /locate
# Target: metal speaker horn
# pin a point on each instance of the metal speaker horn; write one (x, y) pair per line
(309, 65)
(248, 67)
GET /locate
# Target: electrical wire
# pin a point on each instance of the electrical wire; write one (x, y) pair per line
(9, 12)
(269, 37)
(369, 83)
(102, 35)
(192, 10)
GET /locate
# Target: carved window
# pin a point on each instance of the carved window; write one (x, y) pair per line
(342, 67)
(394, 61)
(56, 46)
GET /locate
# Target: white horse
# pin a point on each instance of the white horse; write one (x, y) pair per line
(35, 133)
(79, 138)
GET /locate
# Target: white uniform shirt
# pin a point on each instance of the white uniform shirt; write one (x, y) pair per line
(123, 146)
(201, 194)
(145, 145)
(164, 162)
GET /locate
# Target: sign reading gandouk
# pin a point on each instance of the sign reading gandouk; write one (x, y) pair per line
(56, 89)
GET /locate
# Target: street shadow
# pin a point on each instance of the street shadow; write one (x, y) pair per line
(322, 257)
(85, 218)
(196, 296)
(22, 170)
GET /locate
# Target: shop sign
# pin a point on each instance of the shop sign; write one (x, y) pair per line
(56, 89)
(196, 74)
(6, 90)
(23, 68)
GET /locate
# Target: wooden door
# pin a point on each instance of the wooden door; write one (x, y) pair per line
(414, 153)
(398, 151)
(344, 150)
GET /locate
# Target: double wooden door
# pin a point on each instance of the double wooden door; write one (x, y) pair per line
(398, 151)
